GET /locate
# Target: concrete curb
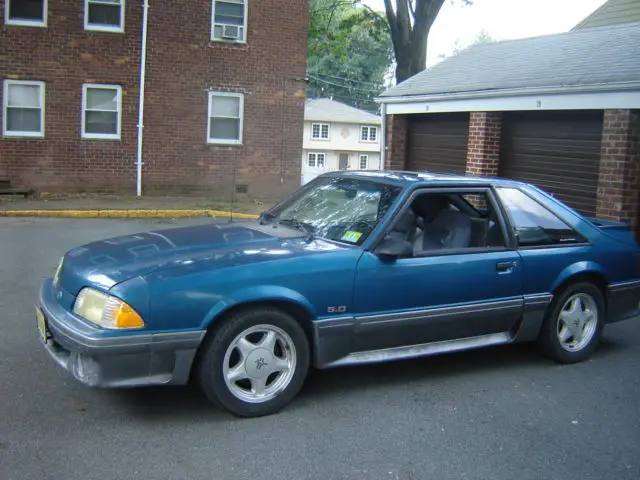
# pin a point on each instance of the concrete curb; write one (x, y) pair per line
(137, 213)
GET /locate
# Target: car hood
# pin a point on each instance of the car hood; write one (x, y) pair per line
(108, 262)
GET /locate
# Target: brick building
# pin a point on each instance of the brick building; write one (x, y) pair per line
(223, 95)
(559, 111)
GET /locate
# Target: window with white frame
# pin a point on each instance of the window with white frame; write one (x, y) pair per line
(104, 15)
(32, 13)
(320, 131)
(101, 111)
(315, 160)
(229, 20)
(226, 117)
(369, 134)
(23, 108)
(364, 162)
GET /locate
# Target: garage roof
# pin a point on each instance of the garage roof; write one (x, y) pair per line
(327, 110)
(595, 57)
(612, 12)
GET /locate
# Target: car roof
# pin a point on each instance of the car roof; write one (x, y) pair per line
(424, 178)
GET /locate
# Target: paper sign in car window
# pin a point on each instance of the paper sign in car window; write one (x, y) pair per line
(351, 236)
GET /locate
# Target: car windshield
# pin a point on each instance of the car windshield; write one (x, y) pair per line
(336, 208)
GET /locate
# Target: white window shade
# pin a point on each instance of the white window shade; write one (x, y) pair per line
(24, 96)
(102, 99)
(225, 106)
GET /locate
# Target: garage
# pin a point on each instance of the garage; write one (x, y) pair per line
(558, 151)
(559, 111)
(438, 142)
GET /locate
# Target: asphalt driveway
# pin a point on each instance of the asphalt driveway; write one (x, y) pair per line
(502, 413)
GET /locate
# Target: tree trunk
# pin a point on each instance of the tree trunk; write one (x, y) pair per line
(409, 32)
(411, 60)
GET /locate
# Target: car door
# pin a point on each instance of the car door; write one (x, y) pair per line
(435, 294)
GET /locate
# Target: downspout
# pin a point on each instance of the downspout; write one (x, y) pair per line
(143, 69)
(383, 136)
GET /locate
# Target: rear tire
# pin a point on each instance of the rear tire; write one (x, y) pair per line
(573, 325)
(255, 362)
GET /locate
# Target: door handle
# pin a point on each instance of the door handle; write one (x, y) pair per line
(506, 266)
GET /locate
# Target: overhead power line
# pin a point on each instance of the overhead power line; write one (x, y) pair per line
(347, 79)
(349, 87)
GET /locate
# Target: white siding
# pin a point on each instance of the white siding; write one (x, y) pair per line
(344, 138)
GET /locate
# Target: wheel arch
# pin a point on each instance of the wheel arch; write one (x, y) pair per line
(221, 311)
(287, 300)
(582, 271)
(289, 306)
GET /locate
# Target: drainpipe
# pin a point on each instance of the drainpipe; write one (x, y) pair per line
(143, 61)
(383, 135)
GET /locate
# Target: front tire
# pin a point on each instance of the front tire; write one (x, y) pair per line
(573, 325)
(255, 362)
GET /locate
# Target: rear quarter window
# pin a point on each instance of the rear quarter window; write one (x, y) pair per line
(534, 224)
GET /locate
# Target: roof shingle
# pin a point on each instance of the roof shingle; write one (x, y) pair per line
(589, 57)
(326, 110)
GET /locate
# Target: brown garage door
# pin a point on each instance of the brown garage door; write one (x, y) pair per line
(438, 142)
(556, 151)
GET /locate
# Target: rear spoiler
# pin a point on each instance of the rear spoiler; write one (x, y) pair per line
(603, 223)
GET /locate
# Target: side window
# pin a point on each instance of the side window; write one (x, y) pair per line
(29, 13)
(23, 105)
(104, 15)
(534, 224)
(226, 118)
(455, 220)
(229, 21)
(101, 111)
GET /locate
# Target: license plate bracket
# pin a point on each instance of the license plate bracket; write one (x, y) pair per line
(45, 334)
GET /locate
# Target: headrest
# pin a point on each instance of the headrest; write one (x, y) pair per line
(406, 222)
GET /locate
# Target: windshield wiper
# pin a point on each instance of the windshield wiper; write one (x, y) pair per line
(297, 224)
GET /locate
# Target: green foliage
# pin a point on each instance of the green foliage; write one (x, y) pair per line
(350, 52)
(483, 36)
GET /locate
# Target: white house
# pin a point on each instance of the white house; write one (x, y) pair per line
(338, 137)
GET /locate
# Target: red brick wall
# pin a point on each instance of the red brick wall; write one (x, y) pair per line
(182, 65)
(483, 153)
(64, 56)
(619, 183)
(396, 145)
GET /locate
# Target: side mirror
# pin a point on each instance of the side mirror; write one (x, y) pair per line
(265, 216)
(394, 248)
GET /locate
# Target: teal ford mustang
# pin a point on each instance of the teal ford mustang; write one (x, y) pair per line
(353, 268)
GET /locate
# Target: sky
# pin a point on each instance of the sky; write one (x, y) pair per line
(458, 25)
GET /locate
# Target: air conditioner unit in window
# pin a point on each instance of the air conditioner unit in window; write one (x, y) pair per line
(231, 32)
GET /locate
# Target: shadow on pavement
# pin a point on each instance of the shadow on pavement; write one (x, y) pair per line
(189, 403)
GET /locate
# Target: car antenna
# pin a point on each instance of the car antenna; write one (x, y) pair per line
(233, 186)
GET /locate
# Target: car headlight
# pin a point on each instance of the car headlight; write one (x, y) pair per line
(106, 310)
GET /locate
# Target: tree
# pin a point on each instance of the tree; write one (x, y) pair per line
(410, 22)
(407, 22)
(350, 52)
(483, 36)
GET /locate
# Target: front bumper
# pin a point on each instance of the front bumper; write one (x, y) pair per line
(102, 358)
